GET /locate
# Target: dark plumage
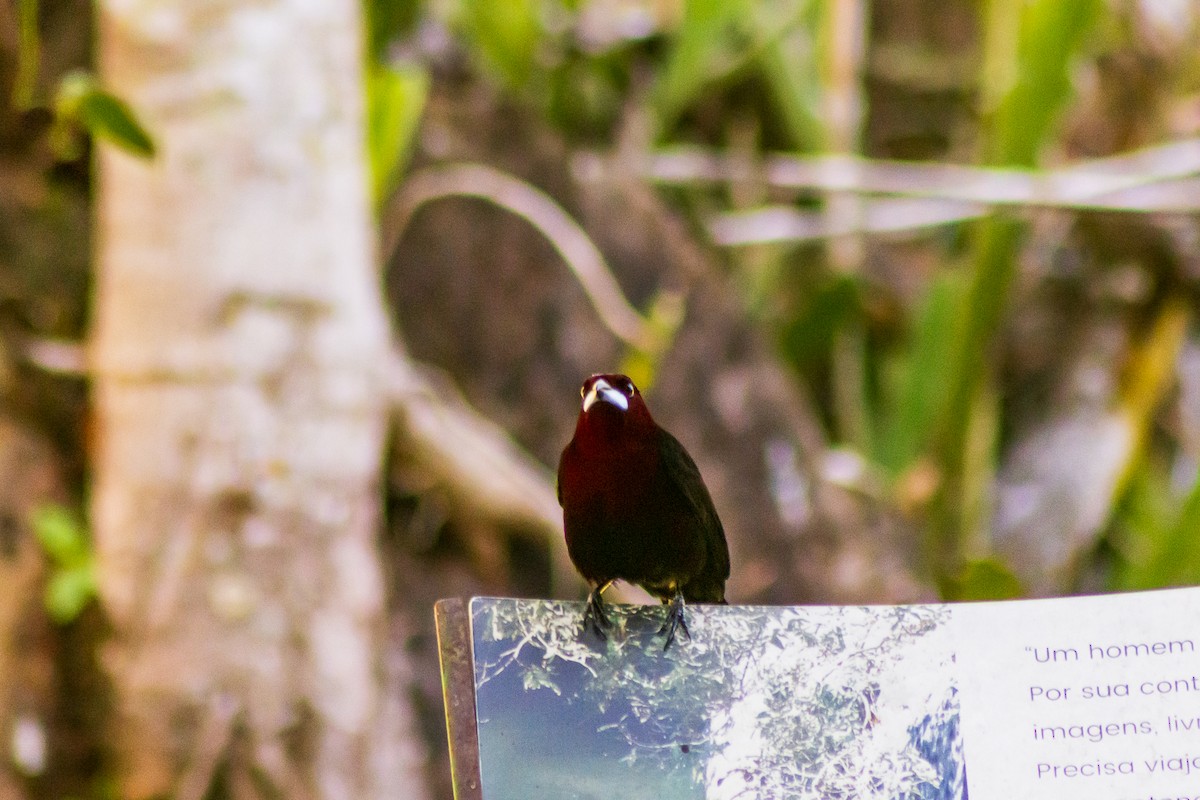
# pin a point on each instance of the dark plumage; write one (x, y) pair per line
(636, 509)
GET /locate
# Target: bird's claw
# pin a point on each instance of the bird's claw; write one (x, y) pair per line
(595, 618)
(674, 621)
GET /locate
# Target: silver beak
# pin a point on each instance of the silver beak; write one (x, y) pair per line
(603, 390)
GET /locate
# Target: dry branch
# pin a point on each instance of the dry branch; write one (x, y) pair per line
(540, 210)
(475, 461)
(1155, 179)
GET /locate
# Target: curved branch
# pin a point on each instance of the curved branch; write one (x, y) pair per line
(540, 210)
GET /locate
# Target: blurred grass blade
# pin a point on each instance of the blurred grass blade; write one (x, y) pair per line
(1150, 368)
(985, 579)
(1034, 71)
(923, 376)
(788, 64)
(664, 317)
(396, 99)
(1182, 555)
(708, 30)
(1062, 480)
(1174, 550)
(1030, 49)
(852, 407)
(68, 591)
(29, 54)
(60, 533)
(506, 34)
(82, 102)
(386, 21)
(1171, 552)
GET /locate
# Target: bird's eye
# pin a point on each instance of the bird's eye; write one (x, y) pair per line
(627, 387)
(582, 390)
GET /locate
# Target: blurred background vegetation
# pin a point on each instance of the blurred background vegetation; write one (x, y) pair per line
(916, 281)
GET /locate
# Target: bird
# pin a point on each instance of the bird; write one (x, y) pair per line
(636, 509)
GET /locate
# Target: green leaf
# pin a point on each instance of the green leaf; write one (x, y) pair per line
(68, 592)
(1141, 529)
(507, 34)
(387, 20)
(711, 29)
(810, 335)
(1187, 530)
(790, 70)
(81, 101)
(1030, 51)
(985, 579)
(395, 99)
(29, 54)
(1034, 68)
(920, 376)
(1176, 557)
(60, 534)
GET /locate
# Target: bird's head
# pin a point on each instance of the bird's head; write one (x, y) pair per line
(610, 399)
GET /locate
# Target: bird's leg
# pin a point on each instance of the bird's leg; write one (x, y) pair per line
(594, 617)
(675, 620)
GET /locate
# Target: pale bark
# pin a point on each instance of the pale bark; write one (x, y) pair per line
(237, 353)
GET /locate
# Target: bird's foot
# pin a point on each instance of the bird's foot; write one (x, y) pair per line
(675, 620)
(595, 618)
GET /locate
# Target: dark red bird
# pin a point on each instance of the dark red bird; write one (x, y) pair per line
(636, 509)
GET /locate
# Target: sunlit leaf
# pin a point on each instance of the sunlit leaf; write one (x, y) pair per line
(789, 68)
(1031, 47)
(29, 54)
(507, 34)
(68, 592)
(710, 30)
(83, 102)
(984, 580)
(921, 376)
(60, 534)
(1171, 539)
(386, 20)
(396, 99)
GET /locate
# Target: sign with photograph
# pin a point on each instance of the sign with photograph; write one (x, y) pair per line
(1095, 698)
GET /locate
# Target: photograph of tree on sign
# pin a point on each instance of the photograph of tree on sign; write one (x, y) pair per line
(761, 702)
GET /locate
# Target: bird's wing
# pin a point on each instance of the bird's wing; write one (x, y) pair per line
(558, 478)
(686, 476)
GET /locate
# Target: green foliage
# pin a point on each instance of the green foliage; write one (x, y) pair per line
(808, 336)
(710, 40)
(1158, 537)
(664, 318)
(918, 377)
(386, 21)
(1029, 59)
(395, 101)
(1180, 563)
(72, 580)
(29, 54)
(1030, 50)
(506, 35)
(985, 579)
(789, 65)
(720, 38)
(82, 104)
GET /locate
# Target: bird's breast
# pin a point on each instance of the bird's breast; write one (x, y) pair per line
(610, 484)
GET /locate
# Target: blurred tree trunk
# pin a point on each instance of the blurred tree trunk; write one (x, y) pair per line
(239, 426)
